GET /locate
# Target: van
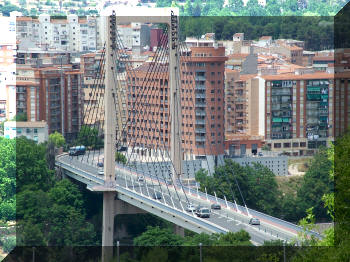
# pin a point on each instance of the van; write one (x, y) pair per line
(203, 212)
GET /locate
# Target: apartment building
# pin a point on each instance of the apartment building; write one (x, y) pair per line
(37, 131)
(243, 97)
(71, 34)
(135, 36)
(202, 102)
(341, 103)
(299, 112)
(48, 88)
(93, 91)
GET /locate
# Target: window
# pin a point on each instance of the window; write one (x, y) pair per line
(35, 130)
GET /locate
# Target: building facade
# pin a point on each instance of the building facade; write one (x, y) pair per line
(71, 34)
(299, 112)
(202, 104)
(37, 131)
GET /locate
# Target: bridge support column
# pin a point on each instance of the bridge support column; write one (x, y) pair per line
(107, 226)
(179, 230)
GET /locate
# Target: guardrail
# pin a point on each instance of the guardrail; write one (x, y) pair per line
(231, 207)
(143, 198)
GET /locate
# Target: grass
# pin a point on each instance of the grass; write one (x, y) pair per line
(302, 163)
(289, 185)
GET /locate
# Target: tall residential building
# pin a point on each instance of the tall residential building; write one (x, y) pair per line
(341, 103)
(299, 112)
(244, 105)
(93, 92)
(202, 102)
(71, 34)
(48, 88)
(135, 36)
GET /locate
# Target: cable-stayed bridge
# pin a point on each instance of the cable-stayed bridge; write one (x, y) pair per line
(158, 113)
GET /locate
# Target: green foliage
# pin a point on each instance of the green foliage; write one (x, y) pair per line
(55, 218)
(20, 117)
(266, 147)
(302, 28)
(120, 158)
(272, 8)
(8, 209)
(7, 179)
(155, 236)
(49, 212)
(57, 139)
(257, 184)
(88, 136)
(31, 165)
(7, 8)
(8, 243)
(316, 183)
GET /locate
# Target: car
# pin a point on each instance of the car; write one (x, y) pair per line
(190, 208)
(101, 172)
(260, 154)
(203, 212)
(215, 206)
(156, 195)
(141, 179)
(254, 221)
(100, 164)
(198, 208)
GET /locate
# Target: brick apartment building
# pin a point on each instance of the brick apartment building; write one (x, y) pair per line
(50, 91)
(202, 102)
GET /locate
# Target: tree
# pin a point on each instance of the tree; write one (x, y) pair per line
(266, 147)
(256, 183)
(315, 184)
(235, 5)
(20, 117)
(120, 158)
(31, 165)
(88, 136)
(155, 236)
(7, 178)
(57, 139)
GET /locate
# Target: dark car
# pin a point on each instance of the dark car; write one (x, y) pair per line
(215, 206)
(198, 208)
(100, 164)
(156, 195)
(254, 221)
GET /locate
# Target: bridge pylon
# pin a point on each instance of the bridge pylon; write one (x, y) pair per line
(109, 142)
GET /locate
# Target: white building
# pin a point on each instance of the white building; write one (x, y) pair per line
(37, 131)
(72, 34)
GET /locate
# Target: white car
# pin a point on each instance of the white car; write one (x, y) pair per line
(101, 172)
(141, 179)
(190, 208)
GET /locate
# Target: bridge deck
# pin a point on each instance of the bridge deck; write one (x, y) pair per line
(171, 206)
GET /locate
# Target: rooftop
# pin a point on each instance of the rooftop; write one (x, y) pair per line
(37, 124)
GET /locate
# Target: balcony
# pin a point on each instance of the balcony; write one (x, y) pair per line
(200, 95)
(200, 87)
(280, 92)
(200, 104)
(200, 130)
(200, 121)
(200, 138)
(199, 78)
(200, 113)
